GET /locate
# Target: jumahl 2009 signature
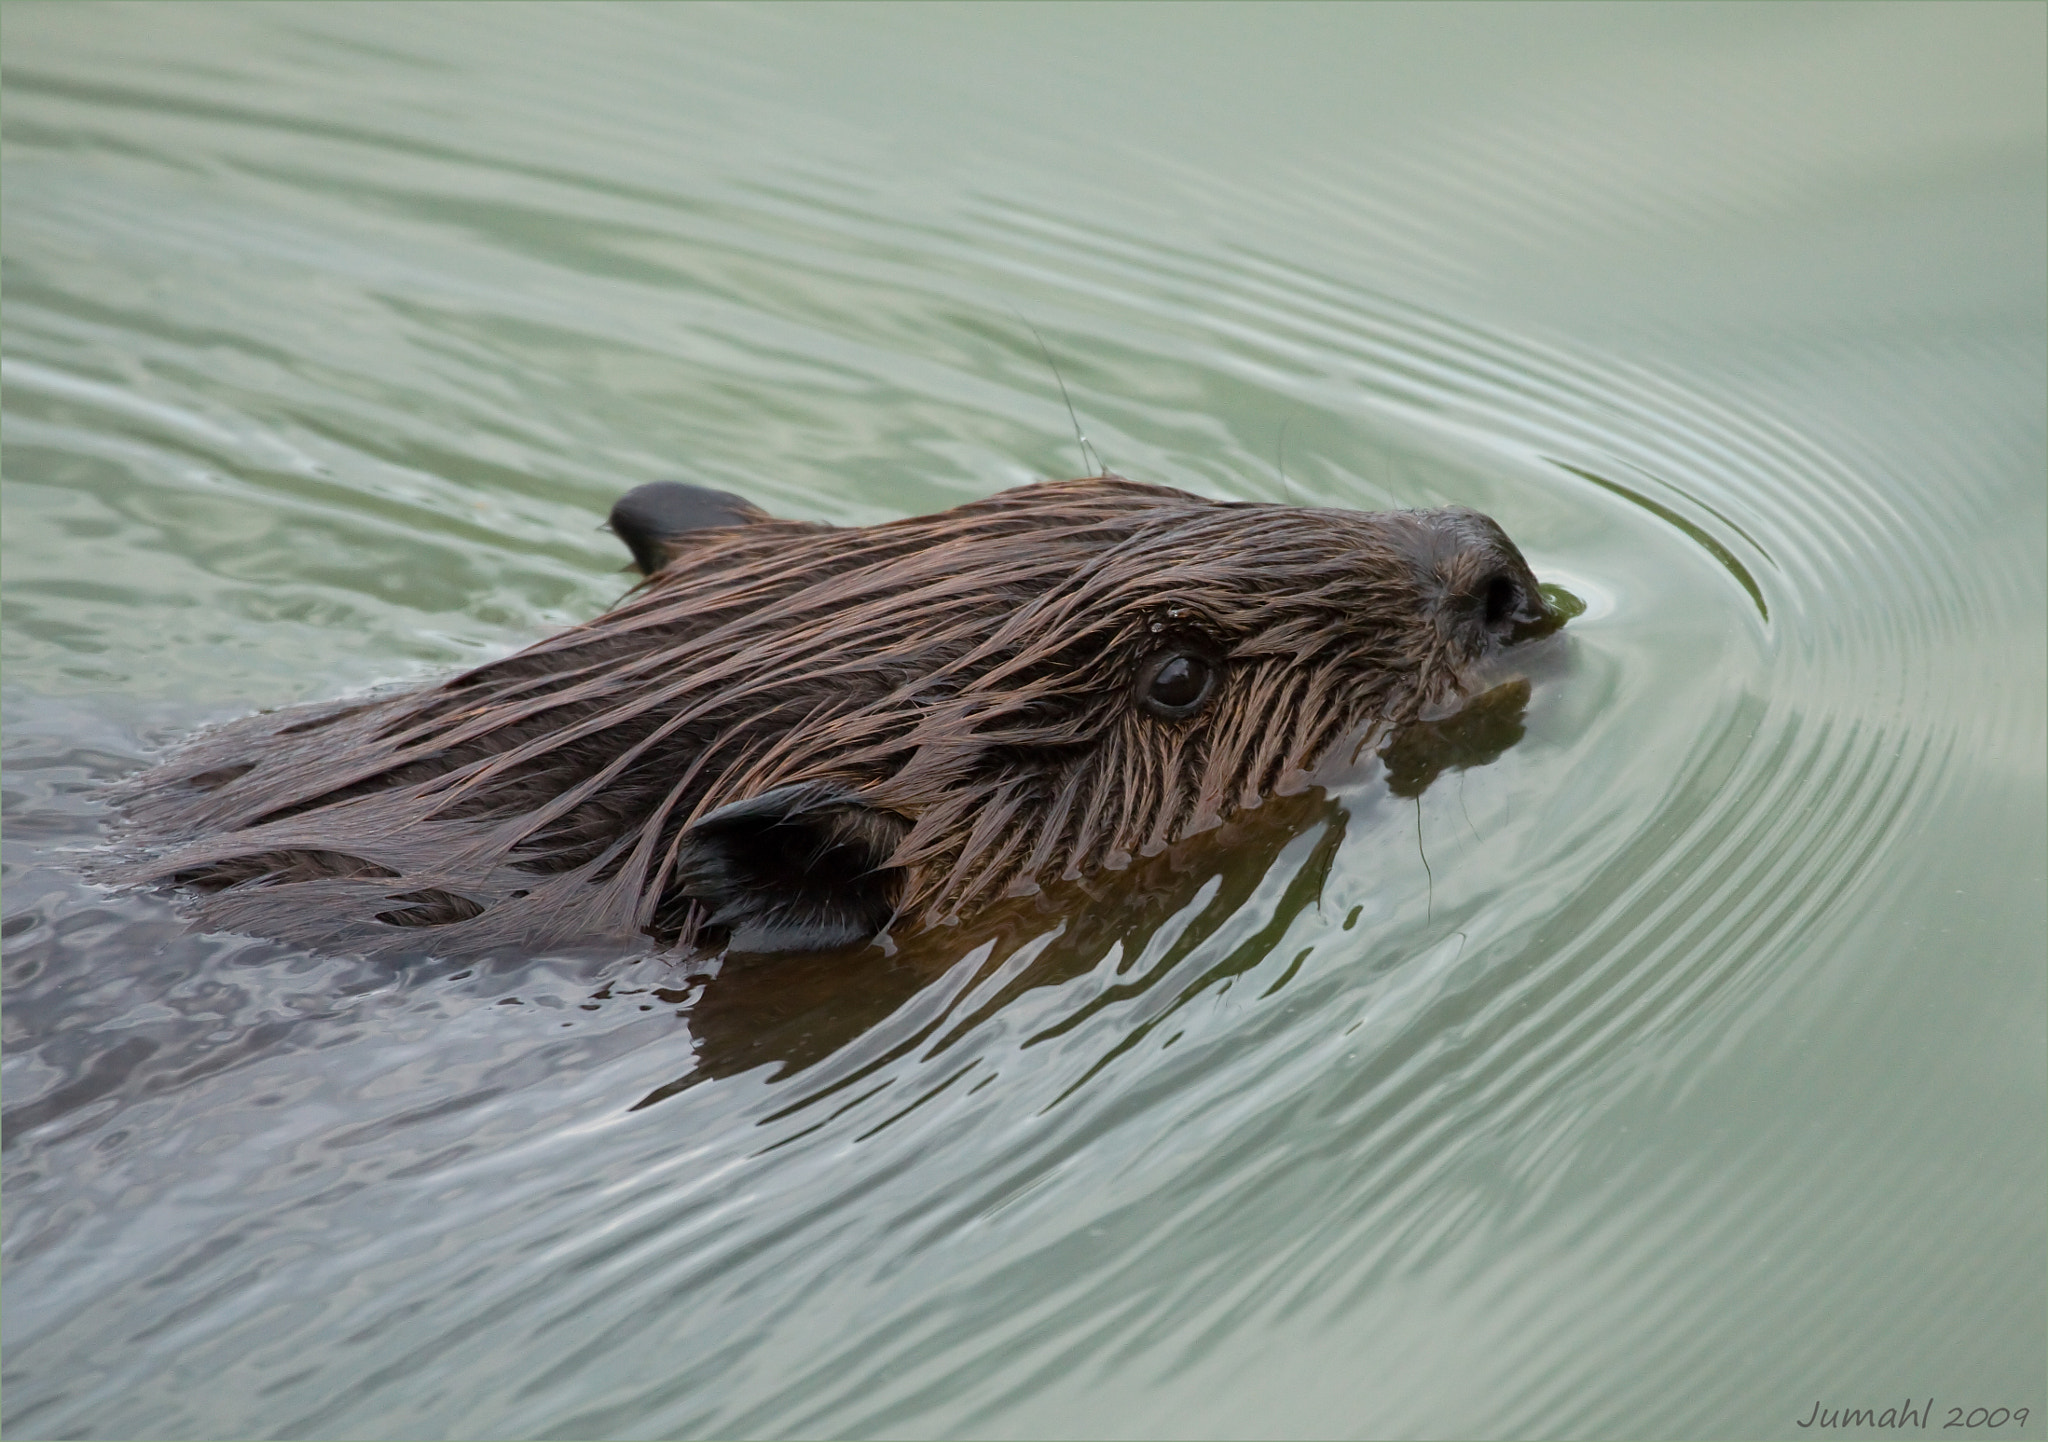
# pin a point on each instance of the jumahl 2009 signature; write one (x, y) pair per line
(1973, 1419)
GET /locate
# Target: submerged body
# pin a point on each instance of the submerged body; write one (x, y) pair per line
(791, 736)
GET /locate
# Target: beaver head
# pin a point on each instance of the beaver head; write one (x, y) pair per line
(792, 735)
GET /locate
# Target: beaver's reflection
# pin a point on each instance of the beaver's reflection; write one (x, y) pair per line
(1486, 726)
(799, 1010)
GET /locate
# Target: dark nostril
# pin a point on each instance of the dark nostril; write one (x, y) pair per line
(1501, 600)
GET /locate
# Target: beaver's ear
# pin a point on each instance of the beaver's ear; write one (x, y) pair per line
(648, 515)
(799, 868)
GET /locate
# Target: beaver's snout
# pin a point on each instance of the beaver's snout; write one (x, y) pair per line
(1473, 581)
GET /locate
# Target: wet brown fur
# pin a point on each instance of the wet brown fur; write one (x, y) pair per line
(965, 677)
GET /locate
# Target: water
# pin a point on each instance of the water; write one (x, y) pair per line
(1676, 1068)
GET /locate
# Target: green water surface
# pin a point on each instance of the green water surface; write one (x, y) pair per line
(1672, 1072)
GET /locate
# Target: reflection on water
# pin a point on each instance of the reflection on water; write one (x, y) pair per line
(1648, 1048)
(1475, 734)
(800, 1010)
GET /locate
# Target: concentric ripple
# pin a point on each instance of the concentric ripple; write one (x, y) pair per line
(1664, 1064)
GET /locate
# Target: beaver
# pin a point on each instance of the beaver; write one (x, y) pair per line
(796, 737)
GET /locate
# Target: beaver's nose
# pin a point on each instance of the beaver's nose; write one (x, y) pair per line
(1472, 579)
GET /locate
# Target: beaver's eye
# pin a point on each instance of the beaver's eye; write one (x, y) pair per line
(1174, 684)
